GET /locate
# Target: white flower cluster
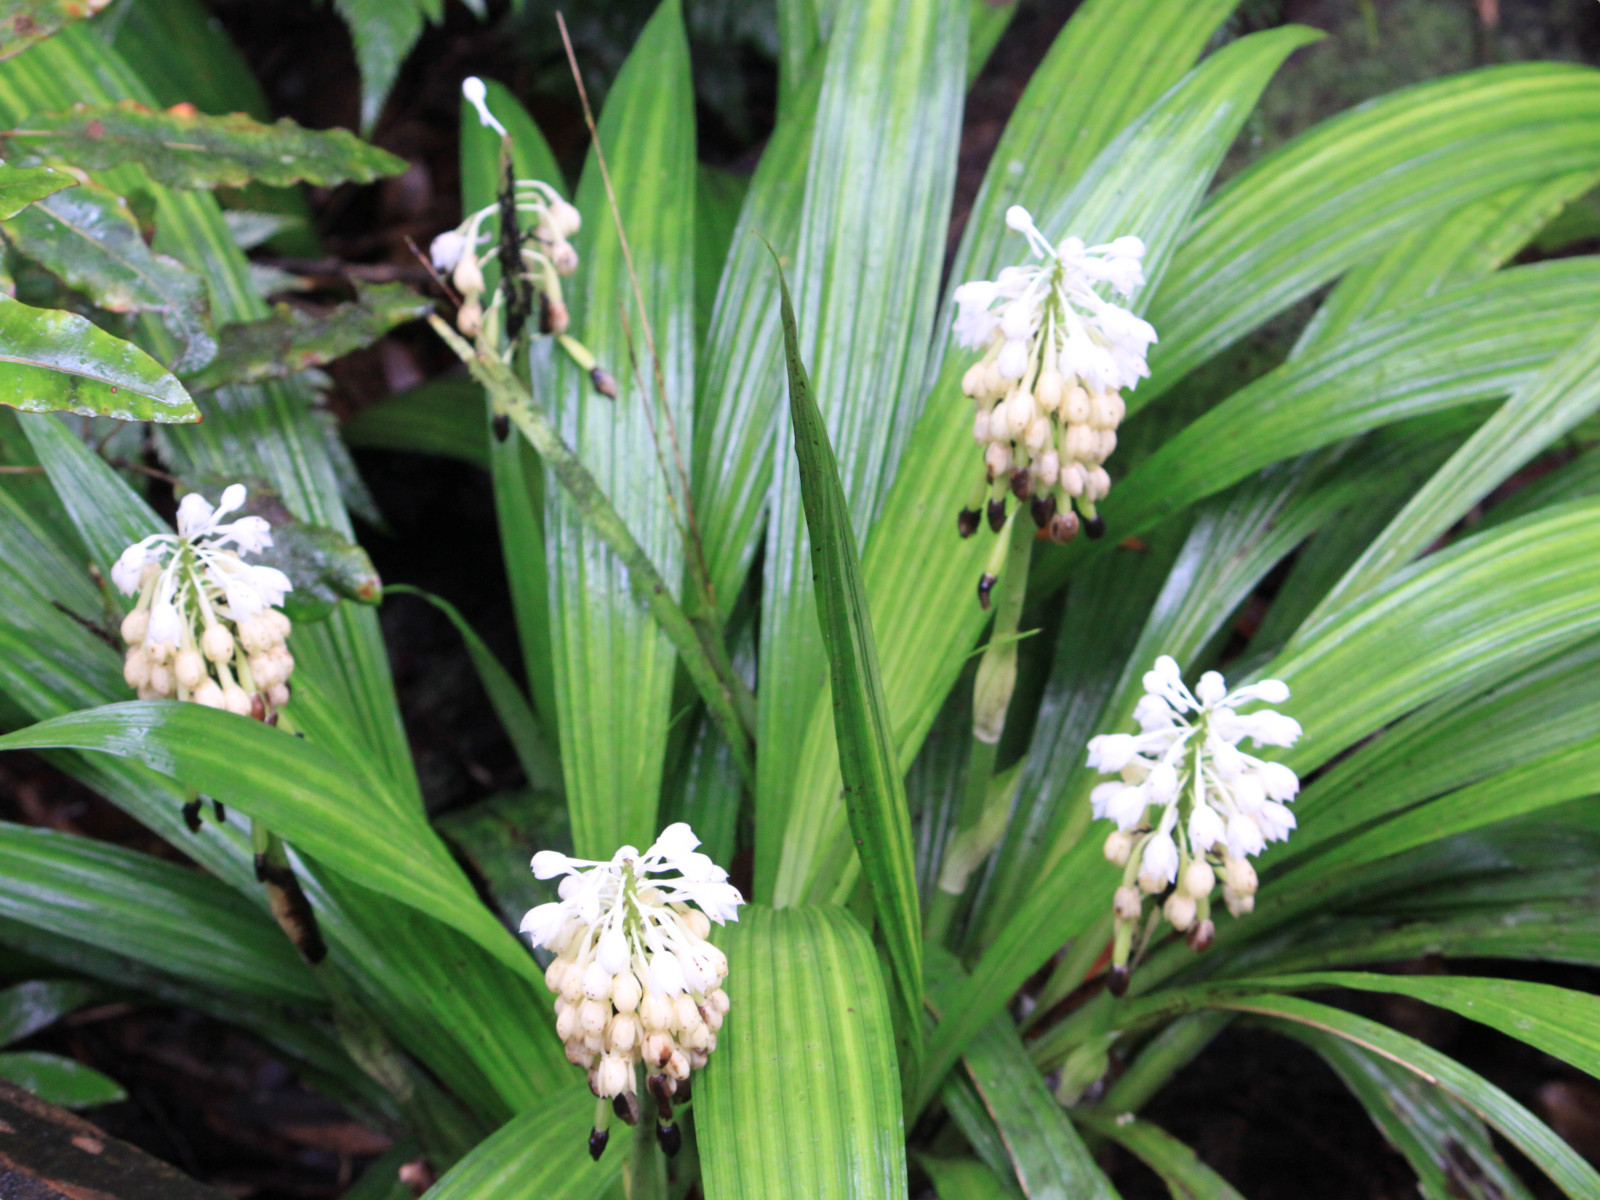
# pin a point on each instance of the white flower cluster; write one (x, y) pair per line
(206, 626)
(545, 250)
(1189, 803)
(634, 976)
(1047, 390)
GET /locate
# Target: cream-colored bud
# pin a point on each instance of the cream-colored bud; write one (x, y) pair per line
(572, 984)
(469, 317)
(718, 960)
(158, 652)
(235, 699)
(973, 380)
(1049, 468)
(280, 655)
(580, 1055)
(699, 924)
(210, 694)
(1020, 411)
(1073, 479)
(1075, 405)
(597, 982)
(1238, 904)
(592, 1016)
(658, 1048)
(615, 1071)
(263, 671)
(278, 694)
(697, 1061)
(655, 1010)
(564, 217)
(1126, 903)
(719, 998)
(1119, 846)
(712, 1018)
(136, 668)
(1097, 485)
(623, 1033)
(162, 681)
(1050, 390)
(567, 1023)
(1103, 412)
(980, 427)
(1180, 910)
(1079, 443)
(592, 1042)
(1105, 444)
(256, 634)
(563, 258)
(468, 276)
(1151, 884)
(1000, 424)
(189, 668)
(1199, 878)
(678, 1065)
(555, 974)
(698, 1038)
(1037, 436)
(1239, 875)
(135, 625)
(685, 1012)
(997, 458)
(625, 992)
(217, 643)
(280, 623)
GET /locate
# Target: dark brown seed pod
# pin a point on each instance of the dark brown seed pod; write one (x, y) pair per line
(1200, 936)
(258, 707)
(501, 426)
(1064, 526)
(191, 818)
(1042, 509)
(1095, 527)
(219, 811)
(1117, 981)
(997, 514)
(986, 584)
(626, 1106)
(597, 1142)
(670, 1138)
(604, 382)
(545, 323)
(662, 1088)
(967, 521)
(1022, 483)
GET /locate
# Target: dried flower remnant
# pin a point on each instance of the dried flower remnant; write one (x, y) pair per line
(1190, 807)
(635, 979)
(1048, 387)
(544, 249)
(207, 625)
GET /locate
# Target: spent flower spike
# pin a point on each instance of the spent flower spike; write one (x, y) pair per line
(1189, 804)
(1048, 389)
(635, 979)
(207, 625)
(545, 250)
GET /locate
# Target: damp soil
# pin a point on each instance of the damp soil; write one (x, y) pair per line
(1263, 1111)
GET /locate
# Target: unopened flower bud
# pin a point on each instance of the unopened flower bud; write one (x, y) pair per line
(565, 217)
(563, 258)
(136, 668)
(597, 982)
(1180, 910)
(997, 458)
(1075, 406)
(217, 644)
(615, 1072)
(135, 625)
(188, 668)
(678, 1065)
(1198, 878)
(279, 694)
(1050, 390)
(1239, 875)
(719, 998)
(161, 679)
(572, 985)
(1238, 904)
(658, 1049)
(685, 1012)
(592, 1016)
(210, 694)
(623, 1033)
(1201, 935)
(625, 992)
(1127, 903)
(1119, 846)
(655, 1010)
(972, 381)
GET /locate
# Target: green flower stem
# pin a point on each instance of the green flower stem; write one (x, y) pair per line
(997, 674)
(730, 703)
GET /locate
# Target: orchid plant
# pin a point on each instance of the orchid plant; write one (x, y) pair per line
(1327, 427)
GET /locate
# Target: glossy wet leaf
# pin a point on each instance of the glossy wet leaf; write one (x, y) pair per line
(26, 1008)
(24, 22)
(810, 1023)
(90, 238)
(60, 362)
(291, 340)
(58, 1080)
(21, 186)
(181, 147)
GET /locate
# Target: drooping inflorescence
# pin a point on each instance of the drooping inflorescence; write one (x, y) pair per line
(1189, 804)
(543, 247)
(207, 625)
(635, 979)
(1048, 387)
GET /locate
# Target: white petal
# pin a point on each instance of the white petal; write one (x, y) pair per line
(612, 954)
(547, 864)
(666, 975)
(543, 923)
(1211, 688)
(1160, 857)
(194, 515)
(1280, 782)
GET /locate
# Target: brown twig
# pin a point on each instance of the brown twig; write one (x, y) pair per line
(427, 265)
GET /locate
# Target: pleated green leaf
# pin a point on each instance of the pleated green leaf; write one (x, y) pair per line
(875, 796)
(1186, 1177)
(1514, 1122)
(866, 276)
(541, 1155)
(802, 1096)
(1338, 192)
(298, 789)
(173, 919)
(60, 362)
(1443, 1140)
(964, 1179)
(613, 666)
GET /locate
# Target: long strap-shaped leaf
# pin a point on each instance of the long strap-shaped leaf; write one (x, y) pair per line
(875, 796)
(1519, 1126)
(800, 1098)
(298, 789)
(1186, 1177)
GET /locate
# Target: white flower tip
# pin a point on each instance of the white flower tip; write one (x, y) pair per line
(477, 95)
(547, 864)
(1272, 691)
(1211, 688)
(1019, 218)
